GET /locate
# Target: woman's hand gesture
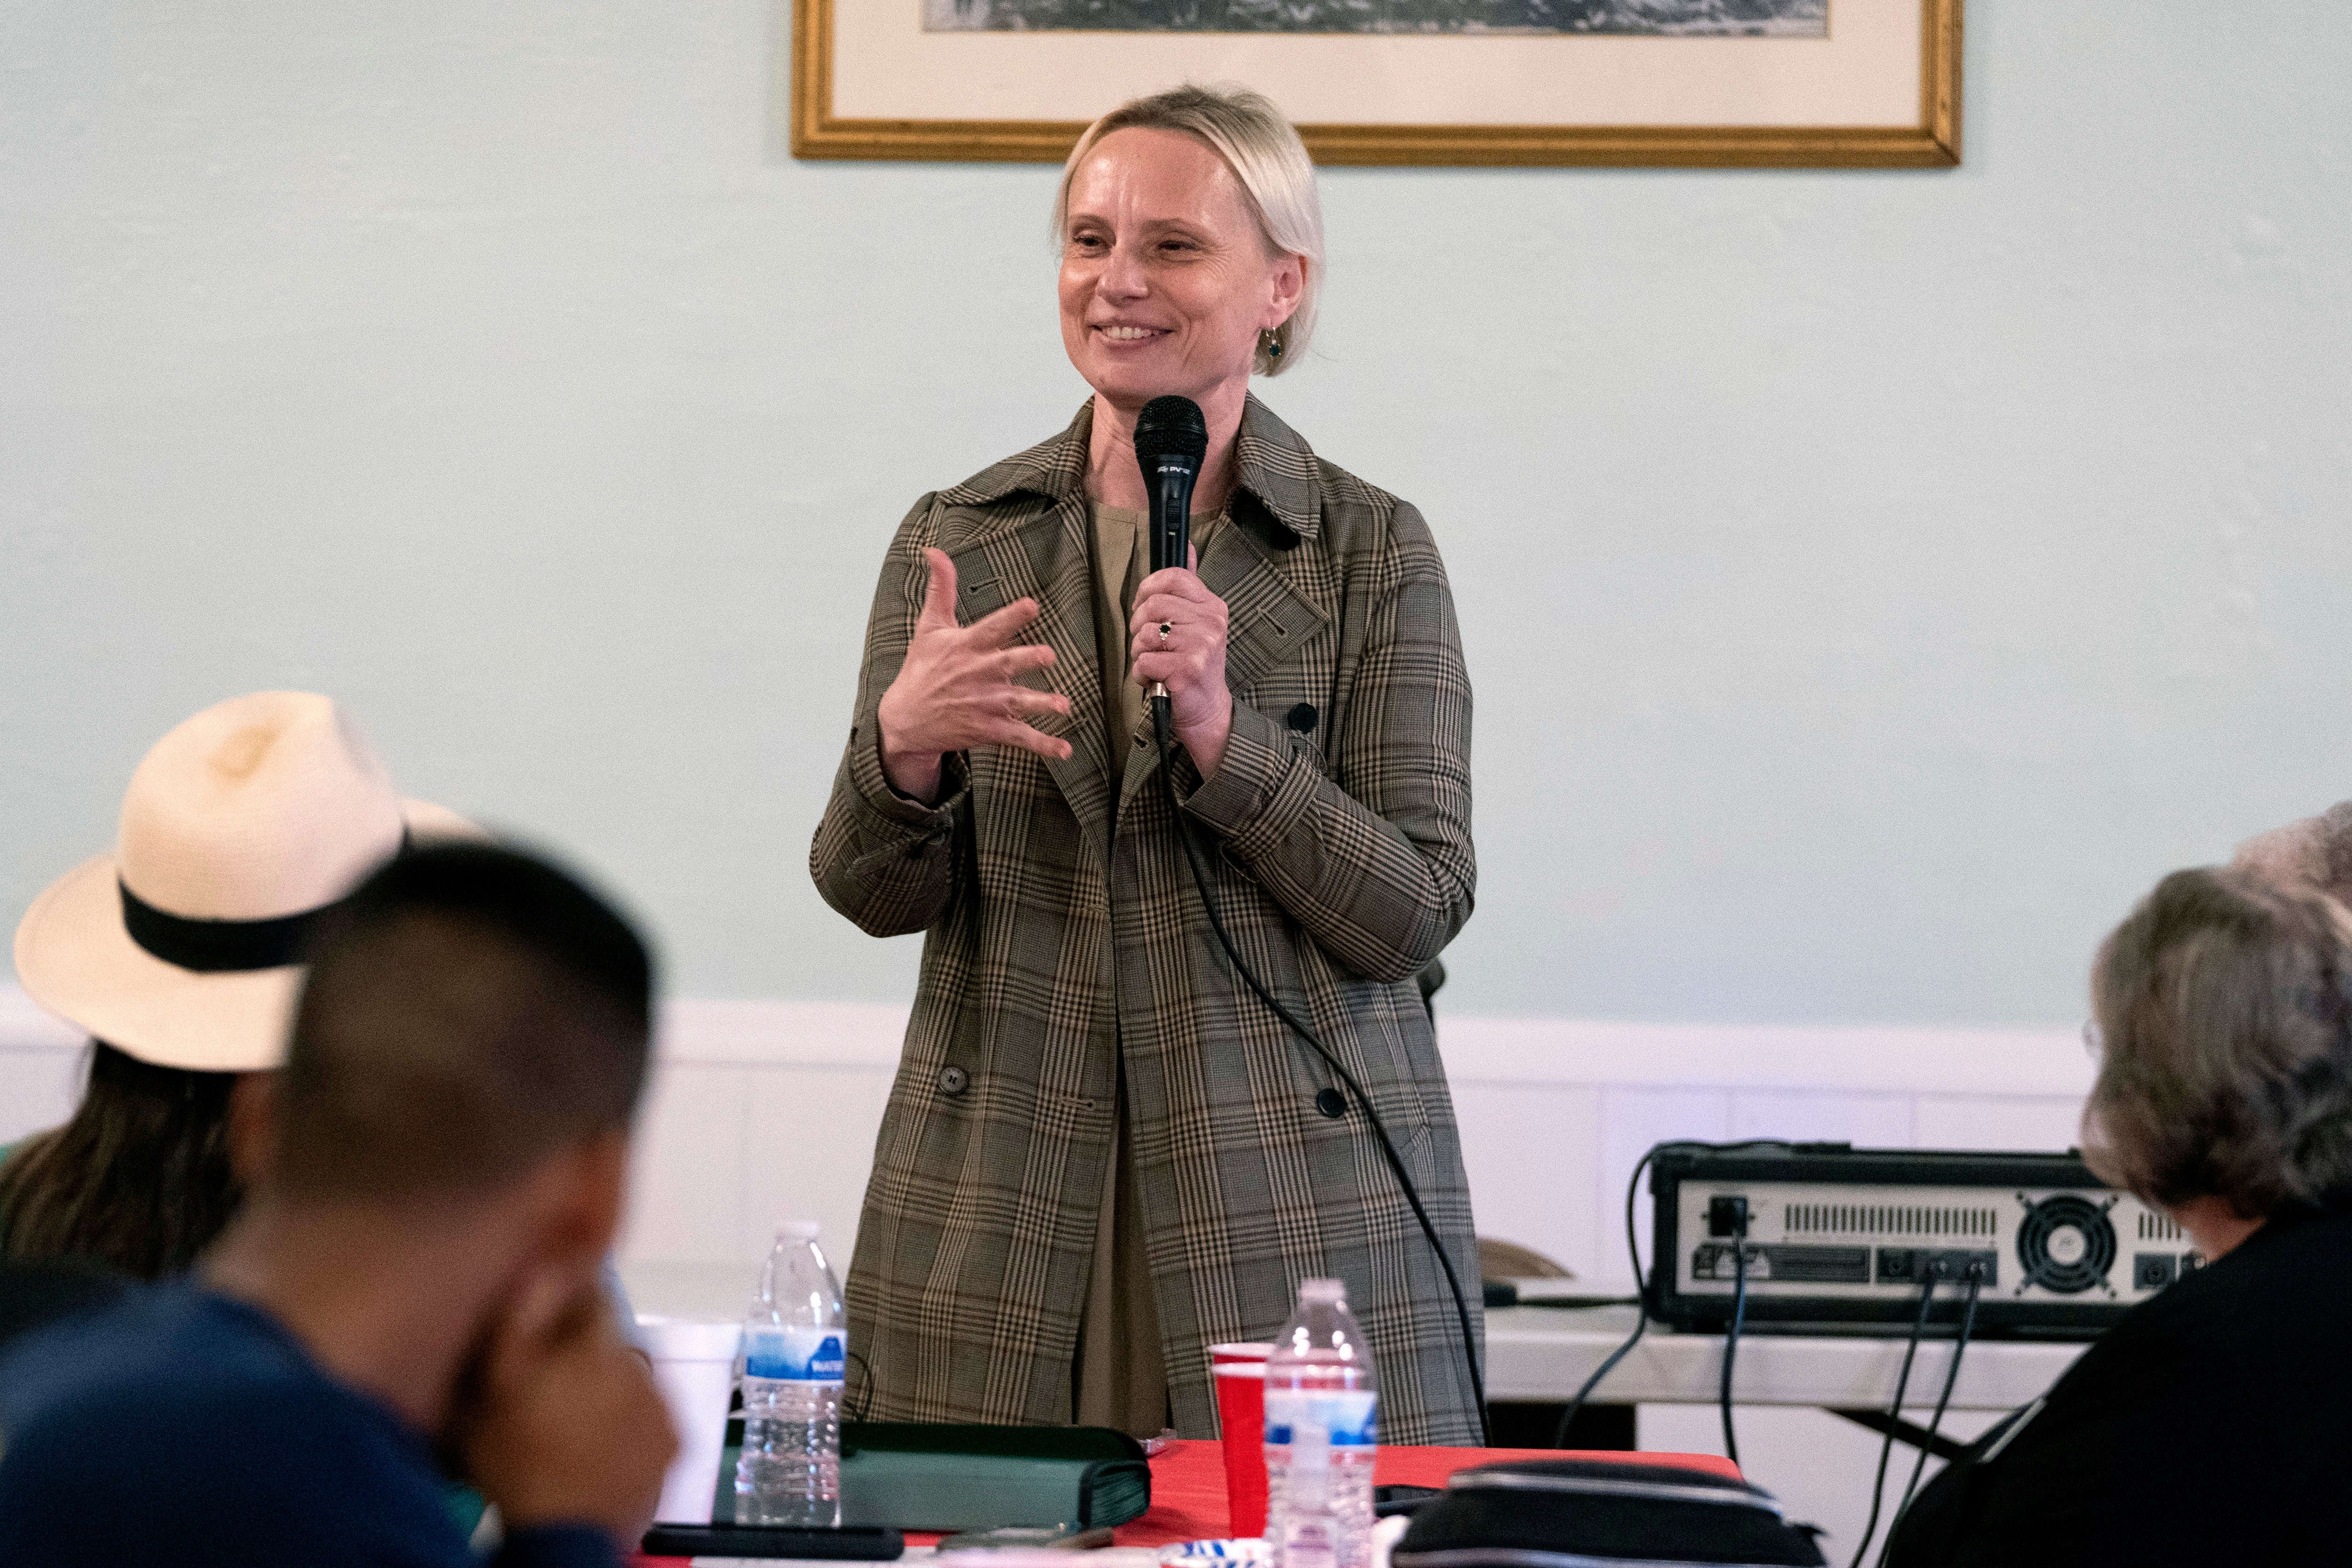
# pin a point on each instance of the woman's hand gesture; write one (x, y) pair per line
(959, 689)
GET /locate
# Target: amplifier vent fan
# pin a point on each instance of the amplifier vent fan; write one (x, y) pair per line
(1886, 1219)
(2157, 1227)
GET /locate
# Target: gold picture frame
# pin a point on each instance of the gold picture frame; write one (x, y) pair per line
(1931, 139)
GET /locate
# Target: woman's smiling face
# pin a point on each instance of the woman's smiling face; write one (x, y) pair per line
(1166, 282)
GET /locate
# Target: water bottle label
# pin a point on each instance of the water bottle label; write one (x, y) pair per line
(794, 1355)
(1346, 1413)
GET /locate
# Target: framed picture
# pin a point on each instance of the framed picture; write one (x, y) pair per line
(1726, 83)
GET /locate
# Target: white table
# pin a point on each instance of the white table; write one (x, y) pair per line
(1544, 1355)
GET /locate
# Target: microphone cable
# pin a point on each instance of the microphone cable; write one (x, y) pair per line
(1161, 720)
(1894, 1416)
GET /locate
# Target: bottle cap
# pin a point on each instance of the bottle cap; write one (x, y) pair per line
(1323, 1292)
(798, 1229)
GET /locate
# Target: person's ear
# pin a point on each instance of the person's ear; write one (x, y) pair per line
(1287, 287)
(252, 1127)
(589, 1199)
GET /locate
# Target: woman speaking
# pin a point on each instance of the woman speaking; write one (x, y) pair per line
(1102, 1150)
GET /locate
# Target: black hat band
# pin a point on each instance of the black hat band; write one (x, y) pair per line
(225, 947)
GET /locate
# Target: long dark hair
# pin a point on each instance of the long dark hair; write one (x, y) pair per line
(138, 1180)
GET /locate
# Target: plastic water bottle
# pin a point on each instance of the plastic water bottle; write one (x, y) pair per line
(790, 1472)
(1320, 1434)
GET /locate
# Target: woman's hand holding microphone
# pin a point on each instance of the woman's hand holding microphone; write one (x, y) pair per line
(959, 689)
(1177, 636)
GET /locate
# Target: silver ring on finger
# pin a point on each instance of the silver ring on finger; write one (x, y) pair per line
(1165, 627)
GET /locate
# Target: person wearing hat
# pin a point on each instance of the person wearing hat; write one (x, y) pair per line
(408, 1292)
(178, 953)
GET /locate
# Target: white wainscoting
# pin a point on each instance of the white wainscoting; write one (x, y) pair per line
(764, 1111)
(767, 1111)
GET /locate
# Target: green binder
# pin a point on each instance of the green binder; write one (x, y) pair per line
(914, 1476)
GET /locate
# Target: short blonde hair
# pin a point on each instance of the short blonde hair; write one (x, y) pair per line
(1277, 176)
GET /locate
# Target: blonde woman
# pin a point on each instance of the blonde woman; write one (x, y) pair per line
(1101, 1153)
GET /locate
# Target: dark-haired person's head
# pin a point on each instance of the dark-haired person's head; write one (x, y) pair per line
(431, 1182)
(137, 1181)
(470, 1011)
(2224, 1007)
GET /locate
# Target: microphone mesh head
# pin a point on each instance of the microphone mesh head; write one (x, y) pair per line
(1170, 427)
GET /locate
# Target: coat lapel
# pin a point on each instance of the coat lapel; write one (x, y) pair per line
(1044, 553)
(1268, 617)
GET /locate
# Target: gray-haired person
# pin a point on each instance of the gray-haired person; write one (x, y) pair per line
(1102, 1153)
(2211, 1424)
(2315, 850)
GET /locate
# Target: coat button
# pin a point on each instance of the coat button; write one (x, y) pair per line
(1302, 718)
(953, 1080)
(1331, 1103)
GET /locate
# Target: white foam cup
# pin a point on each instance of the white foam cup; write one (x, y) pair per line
(695, 1366)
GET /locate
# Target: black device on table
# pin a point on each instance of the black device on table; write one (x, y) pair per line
(1035, 1538)
(1388, 1502)
(1796, 1238)
(860, 1543)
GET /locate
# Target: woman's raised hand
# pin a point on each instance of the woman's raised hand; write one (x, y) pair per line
(959, 689)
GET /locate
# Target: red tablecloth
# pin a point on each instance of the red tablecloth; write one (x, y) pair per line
(1187, 1482)
(1187, 1486)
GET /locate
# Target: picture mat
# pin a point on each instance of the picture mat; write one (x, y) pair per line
(1867, 73)
(1795, 18)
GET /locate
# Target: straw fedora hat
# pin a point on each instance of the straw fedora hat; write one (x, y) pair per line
(240, 828)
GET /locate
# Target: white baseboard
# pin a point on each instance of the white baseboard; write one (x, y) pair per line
(761, 1111)
(1887, 1058)
(1882, 1059)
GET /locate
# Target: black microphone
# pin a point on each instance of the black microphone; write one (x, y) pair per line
(1171, 441)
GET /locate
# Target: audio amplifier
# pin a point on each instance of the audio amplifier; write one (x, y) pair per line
(1835, 1238)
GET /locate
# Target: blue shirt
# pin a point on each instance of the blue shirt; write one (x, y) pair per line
(182, 1427)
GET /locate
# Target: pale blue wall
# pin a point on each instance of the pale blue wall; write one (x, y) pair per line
(1872, 580)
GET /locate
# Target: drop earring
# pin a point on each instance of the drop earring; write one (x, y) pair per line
(1273, 345)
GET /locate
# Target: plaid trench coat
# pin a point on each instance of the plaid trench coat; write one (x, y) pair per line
(1338, 829)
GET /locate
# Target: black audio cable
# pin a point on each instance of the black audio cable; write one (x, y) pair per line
(1894, 1415)
(1951, 1376)
(1731, 1339)
(1641, 1321)
(1640, 1281)
(1159, 724)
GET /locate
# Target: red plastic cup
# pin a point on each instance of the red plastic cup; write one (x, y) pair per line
(1240, 1371)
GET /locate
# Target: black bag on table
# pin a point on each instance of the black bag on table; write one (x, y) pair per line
(1584, 1513)
(950, 1477)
